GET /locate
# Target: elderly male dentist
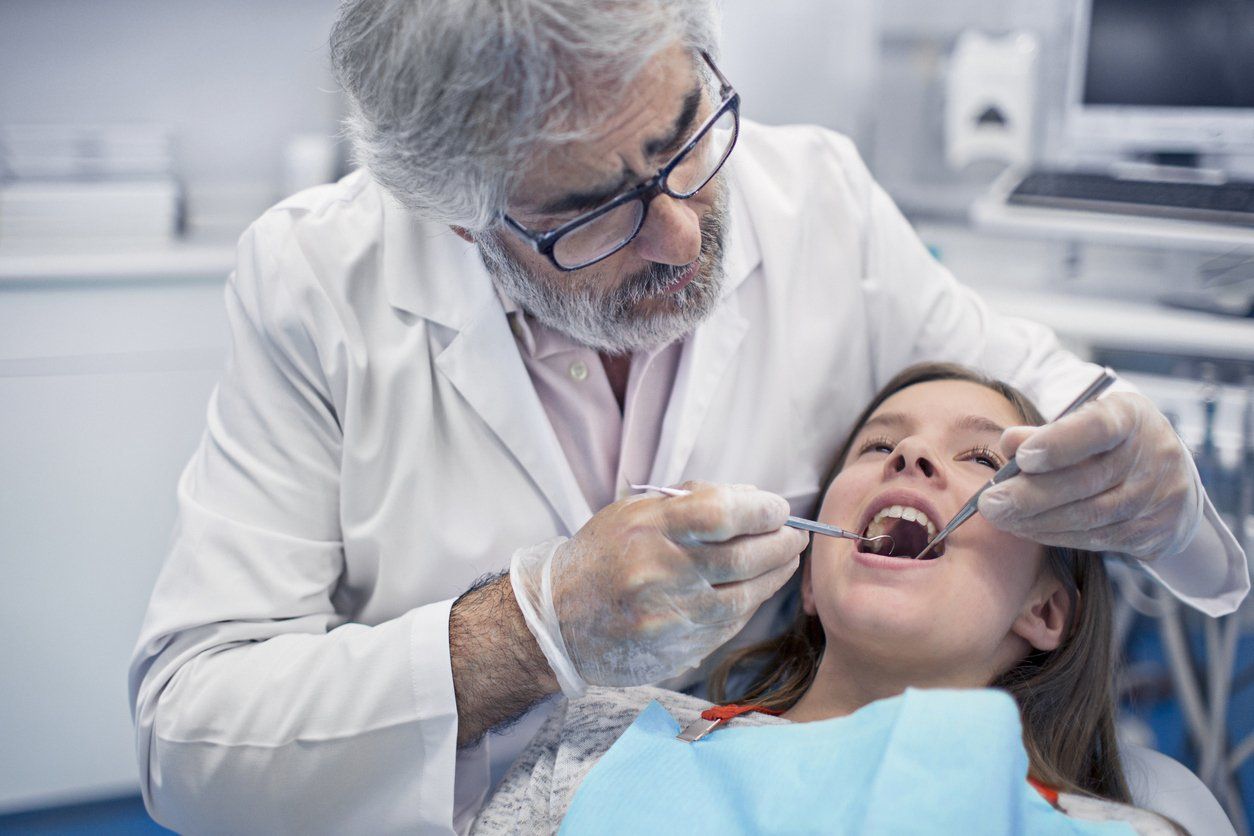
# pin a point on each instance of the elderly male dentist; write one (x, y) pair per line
(566, 265)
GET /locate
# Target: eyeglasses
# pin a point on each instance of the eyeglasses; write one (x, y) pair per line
(600, 233)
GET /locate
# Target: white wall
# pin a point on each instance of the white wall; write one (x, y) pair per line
(234, 79)
(103, 387)
(103, 383)
(812, 61)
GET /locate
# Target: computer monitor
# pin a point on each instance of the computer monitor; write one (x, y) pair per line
(1162, 77)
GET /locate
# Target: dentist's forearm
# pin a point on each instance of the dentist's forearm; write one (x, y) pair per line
(498, 669)
(1211, 573)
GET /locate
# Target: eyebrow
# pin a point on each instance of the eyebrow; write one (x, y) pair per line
(588, 199)
(979, 424)
(594, 197)
(683, 124)
(891, 420)
(968, 423)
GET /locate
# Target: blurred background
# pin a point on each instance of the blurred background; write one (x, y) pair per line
(138, 138)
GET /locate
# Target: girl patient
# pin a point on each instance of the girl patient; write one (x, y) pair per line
(986, 610)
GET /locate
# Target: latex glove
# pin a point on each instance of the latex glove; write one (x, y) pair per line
(1112, 476)
(651, 585)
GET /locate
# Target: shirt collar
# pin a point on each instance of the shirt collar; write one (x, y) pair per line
(534, 337)
(519, 322)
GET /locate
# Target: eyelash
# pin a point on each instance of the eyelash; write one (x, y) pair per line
(984, 452)
(879, 441)
(994, 460)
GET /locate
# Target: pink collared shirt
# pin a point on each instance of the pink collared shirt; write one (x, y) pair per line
(606, 447)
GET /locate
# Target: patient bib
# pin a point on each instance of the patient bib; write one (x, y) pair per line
(931, 761)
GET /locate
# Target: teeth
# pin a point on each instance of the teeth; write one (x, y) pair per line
(906, 513)
(879, 524)
(875, 529)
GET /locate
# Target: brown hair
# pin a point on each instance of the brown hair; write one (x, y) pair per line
(1064, 695)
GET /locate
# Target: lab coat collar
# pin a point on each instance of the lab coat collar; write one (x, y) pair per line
(711, 348)
(743, 252)
(483, 363)
(708, 354)
(430, 272)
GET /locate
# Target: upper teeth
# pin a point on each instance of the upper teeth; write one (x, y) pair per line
(905, 512)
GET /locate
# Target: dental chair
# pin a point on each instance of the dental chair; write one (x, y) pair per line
(1166, 786)
(1156, 781)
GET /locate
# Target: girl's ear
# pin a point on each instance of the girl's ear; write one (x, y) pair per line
(807, 589)
(1045, 615)
(463, 233)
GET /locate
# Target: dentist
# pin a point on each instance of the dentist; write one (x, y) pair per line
(565, 264)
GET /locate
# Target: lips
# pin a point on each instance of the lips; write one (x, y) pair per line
(908, 518)
(685, 278)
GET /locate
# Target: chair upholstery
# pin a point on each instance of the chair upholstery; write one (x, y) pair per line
(1166, 786)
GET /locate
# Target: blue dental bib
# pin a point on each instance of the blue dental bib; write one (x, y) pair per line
(933, 761)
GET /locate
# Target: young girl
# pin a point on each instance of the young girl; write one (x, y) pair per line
(985, 610)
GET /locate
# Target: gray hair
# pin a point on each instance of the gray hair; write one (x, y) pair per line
(449, 98)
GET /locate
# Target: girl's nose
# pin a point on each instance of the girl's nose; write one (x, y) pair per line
(912, 456)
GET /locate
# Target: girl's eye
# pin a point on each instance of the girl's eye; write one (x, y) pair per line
(984, 456)
(877, 445)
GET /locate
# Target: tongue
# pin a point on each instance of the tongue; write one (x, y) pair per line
(909, 538)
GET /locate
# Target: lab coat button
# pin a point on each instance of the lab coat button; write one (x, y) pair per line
(578, 370)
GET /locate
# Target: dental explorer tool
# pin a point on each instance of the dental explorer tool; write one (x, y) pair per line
(1011, 468)
(792, 522)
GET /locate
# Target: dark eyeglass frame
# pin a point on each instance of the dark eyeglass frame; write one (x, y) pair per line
(545, 242)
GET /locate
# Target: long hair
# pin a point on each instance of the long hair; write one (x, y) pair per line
(1065, 695)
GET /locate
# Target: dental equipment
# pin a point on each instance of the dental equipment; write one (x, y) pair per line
(1011, 468)
(793, 522)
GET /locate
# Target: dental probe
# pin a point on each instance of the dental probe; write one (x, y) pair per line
(793, 522)
(1011, 468)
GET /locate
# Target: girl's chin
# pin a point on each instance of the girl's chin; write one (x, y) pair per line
(896, 626)
(905, 611)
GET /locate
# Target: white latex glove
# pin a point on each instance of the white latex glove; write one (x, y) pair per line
(1112, 476)
(651, 585)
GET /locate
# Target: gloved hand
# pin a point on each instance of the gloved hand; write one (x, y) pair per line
(651, 585)
(1111, 476)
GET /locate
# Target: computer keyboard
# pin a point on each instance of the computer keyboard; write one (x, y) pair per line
(1227, 203)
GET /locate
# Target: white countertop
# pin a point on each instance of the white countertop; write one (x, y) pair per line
(84, 261)
(1107, 300)
(1136, 326)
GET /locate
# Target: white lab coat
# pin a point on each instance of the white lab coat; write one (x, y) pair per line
(375, 445)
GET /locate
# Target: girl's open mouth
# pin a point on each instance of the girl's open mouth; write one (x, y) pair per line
(910, 530)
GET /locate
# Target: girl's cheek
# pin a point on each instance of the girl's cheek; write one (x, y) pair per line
(1006, 557)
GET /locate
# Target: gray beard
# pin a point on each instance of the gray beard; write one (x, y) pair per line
(608, 321)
